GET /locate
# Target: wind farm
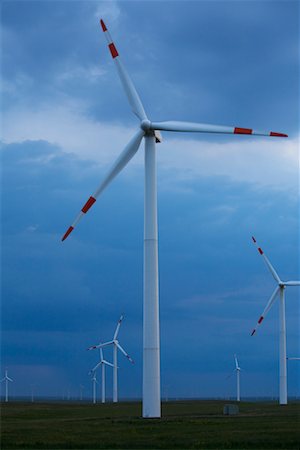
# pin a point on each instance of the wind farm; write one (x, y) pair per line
(165, 244)
(150, 132)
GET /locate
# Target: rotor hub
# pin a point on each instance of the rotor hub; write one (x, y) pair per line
(145, 125)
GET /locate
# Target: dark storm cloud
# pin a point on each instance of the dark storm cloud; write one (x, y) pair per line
(65, 297)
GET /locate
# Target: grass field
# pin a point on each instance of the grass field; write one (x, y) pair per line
(185, 425)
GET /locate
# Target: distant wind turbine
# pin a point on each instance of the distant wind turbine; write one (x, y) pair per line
(237, 370)
(150, 132)
(81, 389)
(280, 289)
(7, 380)
(94, 382)
(32, 386)
(102, 363)
(116, 346)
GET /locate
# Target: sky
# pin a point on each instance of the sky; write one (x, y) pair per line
(65, 119)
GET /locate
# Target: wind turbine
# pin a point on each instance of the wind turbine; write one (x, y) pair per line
(150, 132)
(237, 370)
(116, 346)
(102, 363)
(81, 389)
(280, 289)
(7, 380)
(95, 382)
(32, 386)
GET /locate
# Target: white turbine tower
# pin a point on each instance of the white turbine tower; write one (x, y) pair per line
(7, 380)
(280, 289)
(102, 363)
(116, 346)
(150, 132)
(237, 370)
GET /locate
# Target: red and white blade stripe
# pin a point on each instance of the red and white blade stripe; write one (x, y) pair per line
(238, 130)
(175, 125)
(83, 211)
(128, 153)
(267, 309)
(112, 48)
(93, 347)
(267, 262)
(132, 95)
(258, 323)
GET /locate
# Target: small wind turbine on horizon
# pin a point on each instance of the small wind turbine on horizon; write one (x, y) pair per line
(102, 363)
(94, 382)
(32, 386)
(116, 346)
(237, 370)
(81, 389)
(150, 132)
(280, 289)
(7, 380)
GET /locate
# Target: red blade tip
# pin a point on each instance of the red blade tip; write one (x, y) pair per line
(260, 251)
(69, 230)
(103, 25)
(278, 134)
(260, 319)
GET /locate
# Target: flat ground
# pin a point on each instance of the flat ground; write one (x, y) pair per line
(185, 425)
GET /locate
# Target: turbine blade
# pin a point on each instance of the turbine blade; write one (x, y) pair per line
(236, 362)
(118, 327)
(229, 376)
(208, 128)
(128, 153)
(292, 283)
(96, 367)
(108, 363)
(101, 354)
(124, 353)
(267, 308)
(105, 344)
(132, 95)
(9, 379)
(267, 262)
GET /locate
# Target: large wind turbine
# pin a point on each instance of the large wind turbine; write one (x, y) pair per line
(102, 363)
(7, 380)
(280, 289)
(116, 346)
(150, 132)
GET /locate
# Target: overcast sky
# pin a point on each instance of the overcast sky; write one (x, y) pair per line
(65, 120)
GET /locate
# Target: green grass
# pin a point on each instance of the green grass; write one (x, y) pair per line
(185, 425)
